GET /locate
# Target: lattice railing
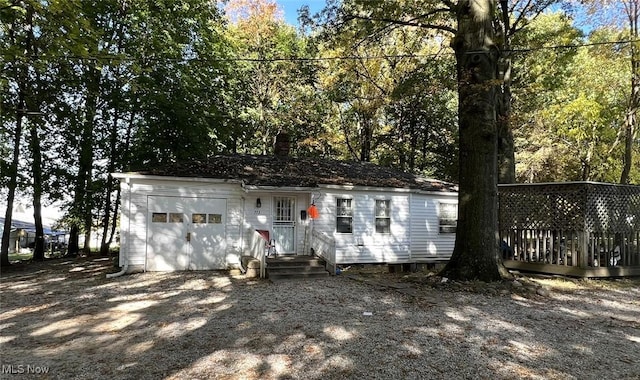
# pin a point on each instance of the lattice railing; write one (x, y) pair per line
(578, 206)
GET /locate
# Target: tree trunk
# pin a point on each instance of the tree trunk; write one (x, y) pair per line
(36, 164)
(631, 118)
(506, 143)
(366, 135)
(476, 251)
(414, 142)
(73, 248)
(22, 76)
(12, 185)
(84, 193)
(36, 167)
(113, 156)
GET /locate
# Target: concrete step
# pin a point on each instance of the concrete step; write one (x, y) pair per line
(295, 262)
(290, 267)
(296, 268)
(288, 275)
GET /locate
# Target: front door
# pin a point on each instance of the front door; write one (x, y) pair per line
(284, 224)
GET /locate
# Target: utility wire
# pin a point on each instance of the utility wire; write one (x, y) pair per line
(120, 58)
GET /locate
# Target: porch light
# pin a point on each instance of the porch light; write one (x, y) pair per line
(258, 203)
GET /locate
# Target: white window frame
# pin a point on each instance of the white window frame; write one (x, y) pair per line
(446, 223)
(347, 213)
(386, 215)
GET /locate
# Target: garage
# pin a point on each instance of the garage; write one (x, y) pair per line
(185, 233)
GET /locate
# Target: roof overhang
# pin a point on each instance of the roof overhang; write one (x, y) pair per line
(386, 189)
(129, 176)
(277, 189)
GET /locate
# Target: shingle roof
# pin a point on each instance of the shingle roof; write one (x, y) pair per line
(299, 172)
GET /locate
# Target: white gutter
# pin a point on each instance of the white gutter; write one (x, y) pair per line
(386, 189)
(276, 189)
(172, 178)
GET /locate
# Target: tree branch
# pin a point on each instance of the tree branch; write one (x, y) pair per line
(411, 22)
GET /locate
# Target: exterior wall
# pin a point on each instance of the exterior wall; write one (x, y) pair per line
(364, 244)
(414, 235)
(262, 218)
(427, 242)
(135, 214)
(414, 230)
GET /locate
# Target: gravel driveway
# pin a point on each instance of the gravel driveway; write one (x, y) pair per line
(64, 320)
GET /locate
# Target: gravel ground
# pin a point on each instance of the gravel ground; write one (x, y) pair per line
(64, 320)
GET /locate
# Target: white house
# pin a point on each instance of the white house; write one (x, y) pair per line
(205, 215)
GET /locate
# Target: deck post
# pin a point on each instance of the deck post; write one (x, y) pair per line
(583, 238)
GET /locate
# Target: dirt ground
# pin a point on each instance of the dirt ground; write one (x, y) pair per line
(63, 319)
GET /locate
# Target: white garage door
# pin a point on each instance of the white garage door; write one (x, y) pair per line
(185, 233)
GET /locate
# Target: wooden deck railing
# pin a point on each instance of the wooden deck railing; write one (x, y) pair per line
(572, 252)
(324, 246)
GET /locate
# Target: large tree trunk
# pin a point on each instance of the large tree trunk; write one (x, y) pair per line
(475, 255)
(84, 191)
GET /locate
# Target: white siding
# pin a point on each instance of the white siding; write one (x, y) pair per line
(414, 231)
(262, 218)
(364, 244)
(427, 243)
(134, 216)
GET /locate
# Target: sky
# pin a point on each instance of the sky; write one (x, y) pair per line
(290, 8)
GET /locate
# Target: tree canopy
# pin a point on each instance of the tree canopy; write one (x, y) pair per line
(94, 87)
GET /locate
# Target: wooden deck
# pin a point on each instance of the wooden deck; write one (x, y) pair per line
(581, 229)
(590, 272)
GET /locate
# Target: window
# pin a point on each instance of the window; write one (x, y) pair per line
(344, 212)
(215, 218)
(448, 216)
(199, 218)
(383, 216)
(159, 217)
(175, 217)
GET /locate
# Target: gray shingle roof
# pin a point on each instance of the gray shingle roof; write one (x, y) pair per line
(299, 172)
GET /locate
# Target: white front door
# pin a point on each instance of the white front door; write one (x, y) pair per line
(284, 224)
(185, 233)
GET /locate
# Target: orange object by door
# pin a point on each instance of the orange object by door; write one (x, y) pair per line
(313, 212)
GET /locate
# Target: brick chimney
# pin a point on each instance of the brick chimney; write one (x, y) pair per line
(282, 145)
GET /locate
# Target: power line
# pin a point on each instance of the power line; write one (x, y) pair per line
(573, 46)
(121, 58)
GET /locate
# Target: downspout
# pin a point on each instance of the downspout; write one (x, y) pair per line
(410, 227)
(125, 265)
(243, 270)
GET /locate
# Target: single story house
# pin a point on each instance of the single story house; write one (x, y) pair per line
(208, 214)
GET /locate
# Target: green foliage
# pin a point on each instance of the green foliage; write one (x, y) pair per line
(570, 103)
(394, 91)
(126, 85)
